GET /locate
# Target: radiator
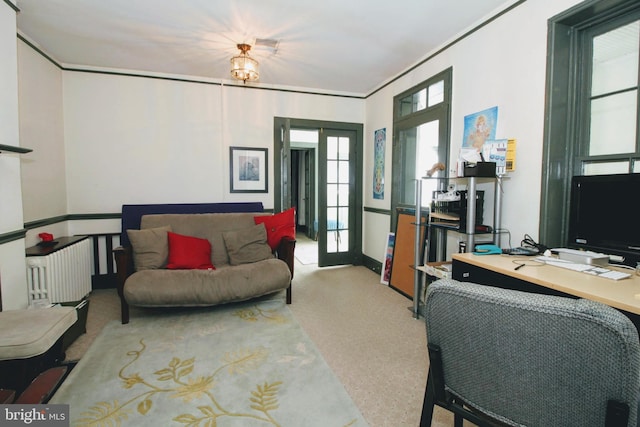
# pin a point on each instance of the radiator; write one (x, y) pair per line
(61, 276)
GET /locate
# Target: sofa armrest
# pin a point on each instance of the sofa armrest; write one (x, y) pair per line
(124, 262)
(285, 252)
(124, 268)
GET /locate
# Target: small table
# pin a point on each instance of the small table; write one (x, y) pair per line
(56, 245)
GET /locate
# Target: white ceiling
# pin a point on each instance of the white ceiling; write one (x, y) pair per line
(343, 46)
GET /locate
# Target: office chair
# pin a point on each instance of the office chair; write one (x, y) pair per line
(505, 357)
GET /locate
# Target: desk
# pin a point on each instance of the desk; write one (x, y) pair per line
(499, 270)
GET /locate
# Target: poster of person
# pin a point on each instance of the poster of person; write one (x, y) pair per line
(479, 127)
(380, 137)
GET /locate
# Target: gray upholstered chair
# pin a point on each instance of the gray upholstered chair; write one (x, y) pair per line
(528, 359)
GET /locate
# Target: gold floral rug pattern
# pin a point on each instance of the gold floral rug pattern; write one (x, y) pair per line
(247, 364)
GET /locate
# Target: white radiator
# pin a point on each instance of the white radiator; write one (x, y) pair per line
(61, 276)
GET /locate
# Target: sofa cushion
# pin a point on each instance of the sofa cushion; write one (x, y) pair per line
(188, 252)
(171, 288)
(150, 247)
(279, 225)
(206, 226)
(248, 245)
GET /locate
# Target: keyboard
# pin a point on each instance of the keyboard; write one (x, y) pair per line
(520, 251)
(585, 268)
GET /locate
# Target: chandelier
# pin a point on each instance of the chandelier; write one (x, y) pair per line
(243, 67)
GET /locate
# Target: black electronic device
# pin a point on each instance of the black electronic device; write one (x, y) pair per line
(522, 251)
(604, 216)
(480, 169)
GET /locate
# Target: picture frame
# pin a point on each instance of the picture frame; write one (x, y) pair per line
(385, 274)
(248, 170)
(380, 138)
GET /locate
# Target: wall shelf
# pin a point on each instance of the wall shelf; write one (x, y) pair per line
(14, 149)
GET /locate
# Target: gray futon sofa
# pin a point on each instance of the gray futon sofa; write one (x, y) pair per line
(244, 265)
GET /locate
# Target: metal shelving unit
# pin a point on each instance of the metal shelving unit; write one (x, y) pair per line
(469, 231)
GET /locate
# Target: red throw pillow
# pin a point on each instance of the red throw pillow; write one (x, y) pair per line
(188, 252)
(280, 225)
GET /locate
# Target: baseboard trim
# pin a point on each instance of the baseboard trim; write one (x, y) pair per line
(372, 264)
(104, 281)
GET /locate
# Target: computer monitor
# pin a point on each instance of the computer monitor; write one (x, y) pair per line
(605, 215)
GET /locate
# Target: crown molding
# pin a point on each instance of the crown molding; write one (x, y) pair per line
(12, 6)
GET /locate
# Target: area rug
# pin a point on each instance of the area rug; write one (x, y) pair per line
(247, 364)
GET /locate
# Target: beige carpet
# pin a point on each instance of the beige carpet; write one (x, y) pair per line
(306, 250)
(363, 329)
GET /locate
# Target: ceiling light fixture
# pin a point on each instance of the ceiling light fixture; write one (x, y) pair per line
(243, 67)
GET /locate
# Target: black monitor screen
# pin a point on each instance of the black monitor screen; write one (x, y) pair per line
(604, 214)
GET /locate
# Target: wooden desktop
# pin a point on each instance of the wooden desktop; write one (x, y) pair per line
(500, 270)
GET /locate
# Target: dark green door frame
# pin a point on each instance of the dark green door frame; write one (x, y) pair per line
(282, 126)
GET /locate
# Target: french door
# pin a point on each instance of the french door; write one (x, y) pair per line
(337, 198)
(339, 155)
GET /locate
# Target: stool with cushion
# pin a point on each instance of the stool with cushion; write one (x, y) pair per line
(31, 343)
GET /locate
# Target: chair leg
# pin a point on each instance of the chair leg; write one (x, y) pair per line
(124, 311)
(428, 404)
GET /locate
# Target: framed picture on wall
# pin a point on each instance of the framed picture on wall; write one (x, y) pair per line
(248, 168)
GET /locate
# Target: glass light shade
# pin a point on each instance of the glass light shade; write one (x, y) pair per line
(244, 67)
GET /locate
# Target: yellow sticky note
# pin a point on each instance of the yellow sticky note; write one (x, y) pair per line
(510, 165)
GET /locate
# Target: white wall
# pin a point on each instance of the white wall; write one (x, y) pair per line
(42, 129)
(145, 140)
(12, 264)
(101, 141)
(503, 64)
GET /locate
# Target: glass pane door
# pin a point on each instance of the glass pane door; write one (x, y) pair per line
(337, 179)
(421, 152)
(337, 194)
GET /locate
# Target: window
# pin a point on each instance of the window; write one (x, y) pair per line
(421, 97)
(592, 107)
(611, 108)
(304, 136)
(420, 138)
